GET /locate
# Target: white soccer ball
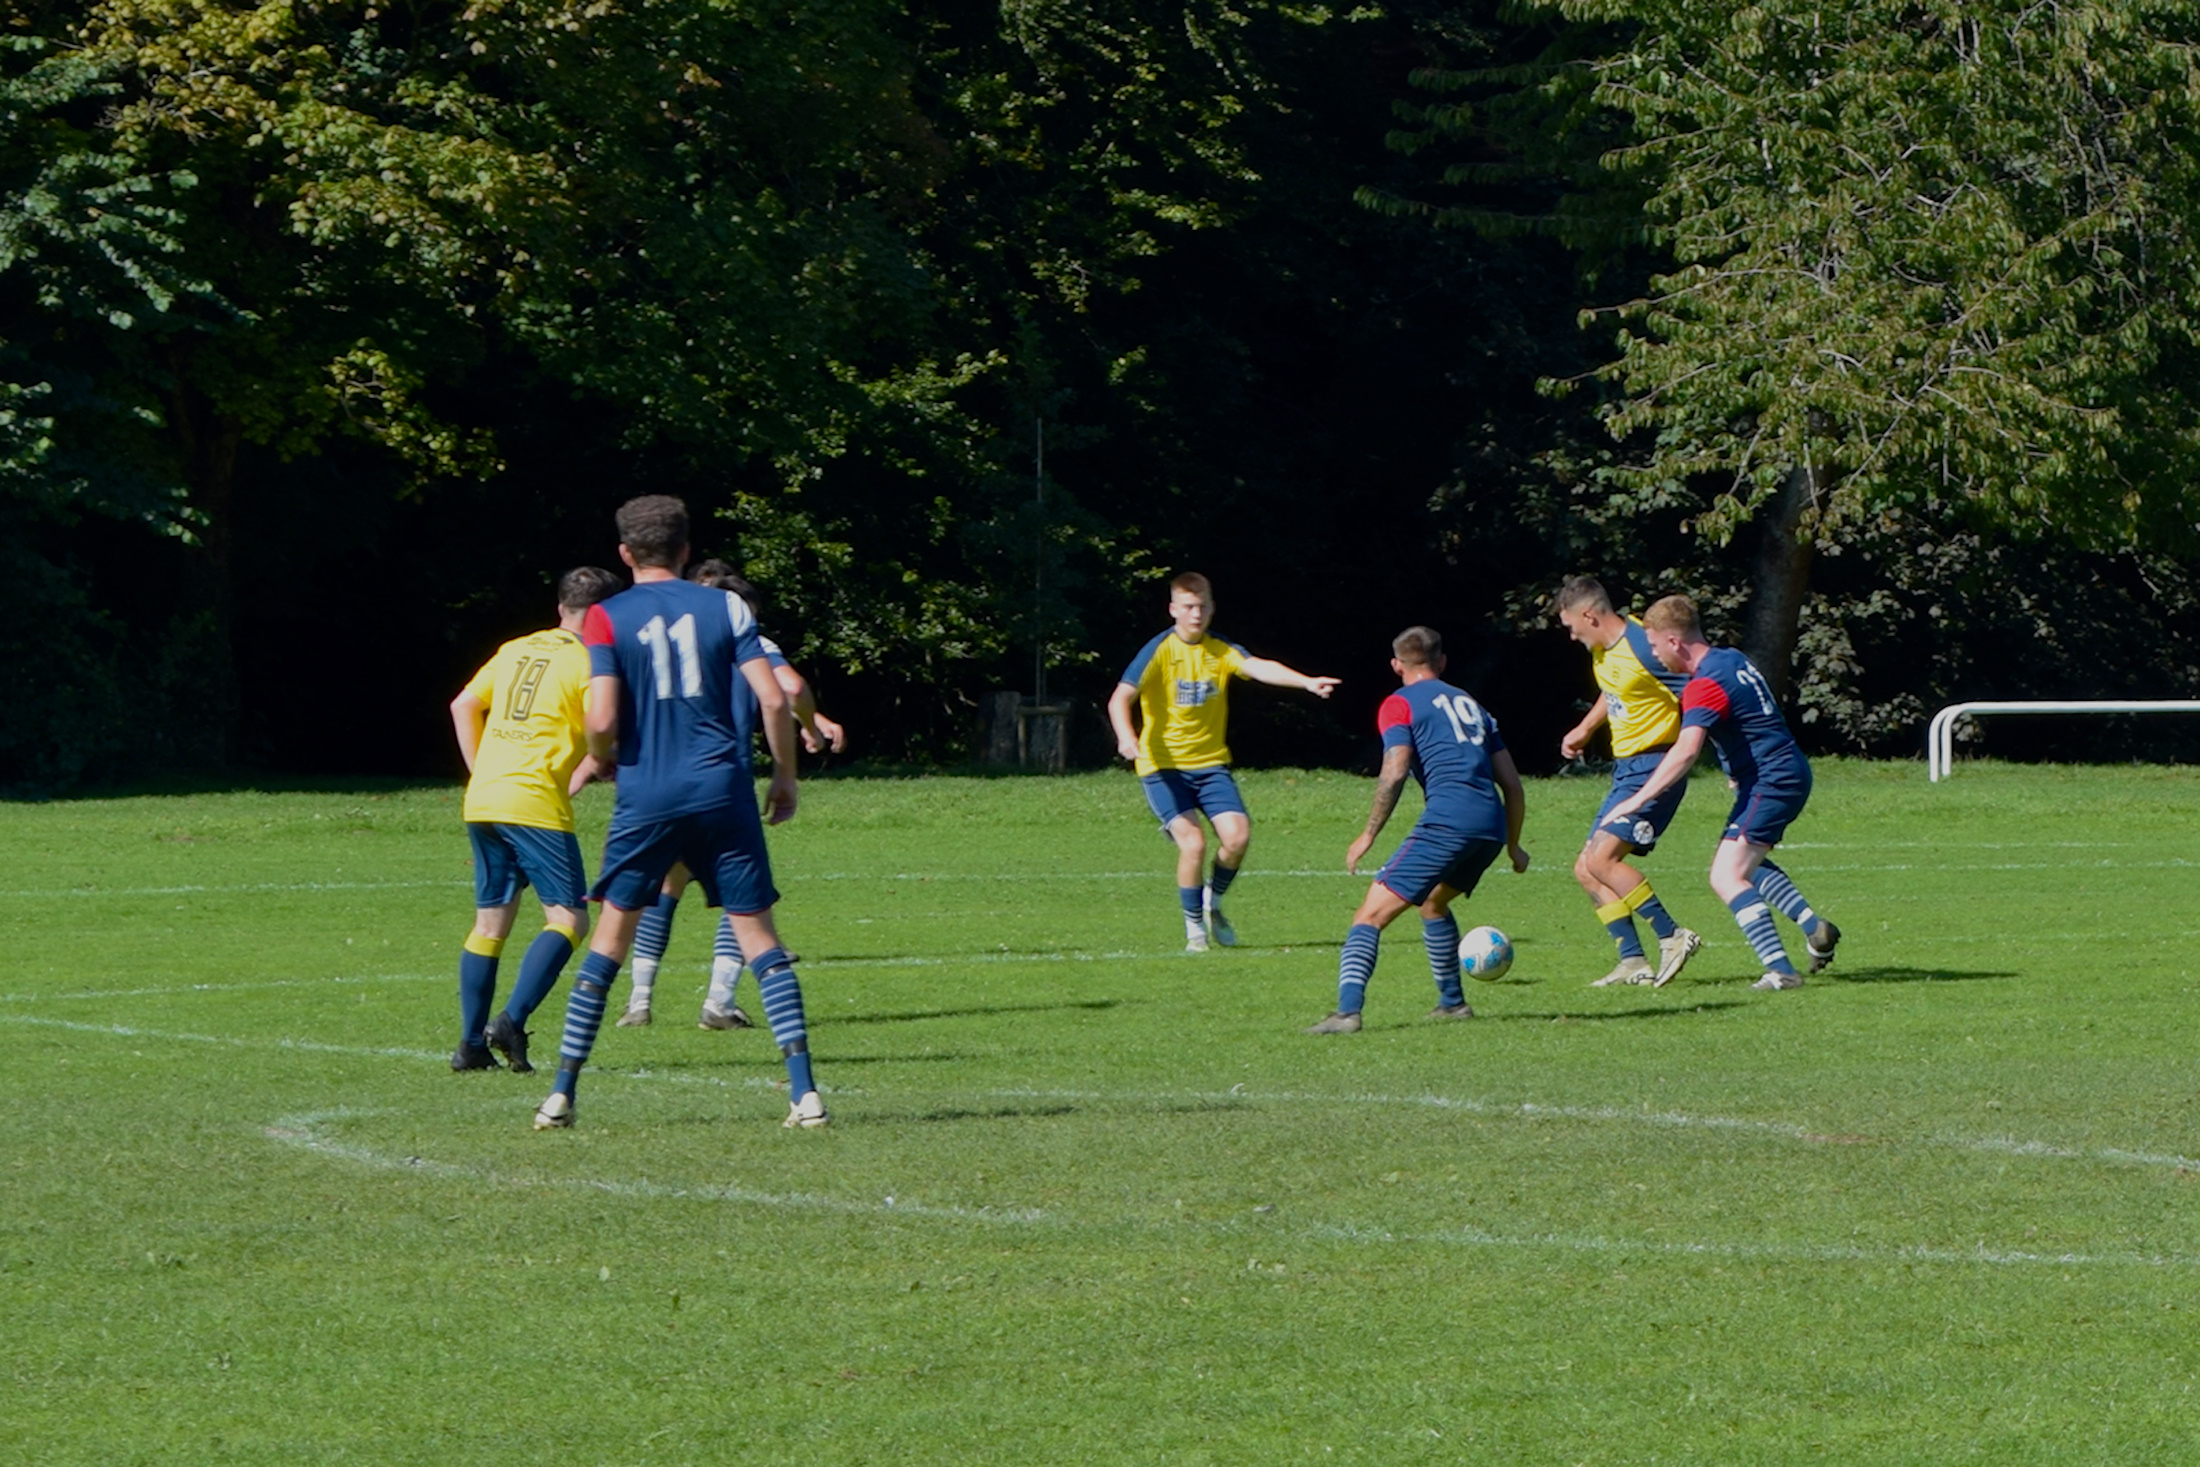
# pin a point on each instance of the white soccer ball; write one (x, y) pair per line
(1485, 953)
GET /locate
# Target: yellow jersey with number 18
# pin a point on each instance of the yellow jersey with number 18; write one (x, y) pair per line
(1184, 701)
(536, 690)
(1641, 699)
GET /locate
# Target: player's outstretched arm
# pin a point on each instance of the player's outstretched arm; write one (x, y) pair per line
(777, 715)
(1389, 784)
(818, 731)
(1276, 675)
(1119, 715)
(1507, 775)
(467, 715)
(1671, 770)
(1577, 738)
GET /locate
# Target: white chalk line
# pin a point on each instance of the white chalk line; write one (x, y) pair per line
(1522, 1110)
(1157, 875)
(307, 1133)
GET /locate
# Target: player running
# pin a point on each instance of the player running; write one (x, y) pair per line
(520, 730)
(1181, 683)
(665, 656)
(1472, 805)
(1728, 701)
(1641, 705)
(653, 934)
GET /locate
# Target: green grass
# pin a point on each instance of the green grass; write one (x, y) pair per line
(1086, 1199)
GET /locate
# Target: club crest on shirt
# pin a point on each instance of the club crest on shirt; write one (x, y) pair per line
(1193, 693)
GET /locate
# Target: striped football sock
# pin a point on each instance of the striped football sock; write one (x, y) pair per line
(1755, 919)
(584, 1017)
(1355, 965)
(652, 935)
(782, 991)
(1441, 937)
(1780, 890)
(725, 965)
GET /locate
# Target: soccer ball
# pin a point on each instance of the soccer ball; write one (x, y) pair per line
(1485, 953)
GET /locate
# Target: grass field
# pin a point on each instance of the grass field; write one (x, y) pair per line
(1088, 1199)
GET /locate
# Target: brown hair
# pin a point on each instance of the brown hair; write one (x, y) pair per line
(1584, 593)
(654, 528)
(585, 585)
(720, 576)
(1195, 583)
(1417, 646)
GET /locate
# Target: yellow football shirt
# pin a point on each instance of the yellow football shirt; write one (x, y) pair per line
(536, 689)
(1641, 699)
(1184, 701)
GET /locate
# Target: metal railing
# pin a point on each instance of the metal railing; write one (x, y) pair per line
(1940, 735)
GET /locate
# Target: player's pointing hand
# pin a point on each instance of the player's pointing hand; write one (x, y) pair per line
(1321, 687)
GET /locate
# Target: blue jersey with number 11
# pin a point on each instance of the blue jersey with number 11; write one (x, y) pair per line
(676, 649)
(1452, 738)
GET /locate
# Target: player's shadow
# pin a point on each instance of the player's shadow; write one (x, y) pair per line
(1676, 1011)
(987, 1113)
(1914, 975)
(974, 1012)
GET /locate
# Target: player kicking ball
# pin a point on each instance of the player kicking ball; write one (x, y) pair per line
(1180, 682)
(664, 656)
(1472, 807)
(1728, 701)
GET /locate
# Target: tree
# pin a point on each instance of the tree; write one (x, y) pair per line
(1932, 257)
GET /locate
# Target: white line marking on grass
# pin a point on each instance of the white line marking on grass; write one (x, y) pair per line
(306, 1132)
(181, 989)
(233, 889)
(308, 1046)
(1766, 1252)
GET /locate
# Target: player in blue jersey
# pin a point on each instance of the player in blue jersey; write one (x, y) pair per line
(654, 932)
(1727, 701)
(664, 657)
(1472, 807)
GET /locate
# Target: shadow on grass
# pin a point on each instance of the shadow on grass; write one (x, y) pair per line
(1676, 1011)
(990, 1113)
(1092, 1004)
(1914, 975)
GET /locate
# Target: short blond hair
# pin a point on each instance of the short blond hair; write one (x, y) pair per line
(1674, 614)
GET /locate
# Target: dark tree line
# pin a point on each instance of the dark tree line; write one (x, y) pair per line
(330, 334)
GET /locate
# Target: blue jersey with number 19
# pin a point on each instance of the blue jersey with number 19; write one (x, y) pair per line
(676, 649)
(1452, 738)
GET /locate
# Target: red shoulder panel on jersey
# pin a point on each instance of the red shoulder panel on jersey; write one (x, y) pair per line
(1396, 712)
(1702, 692)
(596, 627)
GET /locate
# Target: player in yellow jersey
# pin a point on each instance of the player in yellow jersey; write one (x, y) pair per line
(1180, 682)
(520, 728)
(1640, 703)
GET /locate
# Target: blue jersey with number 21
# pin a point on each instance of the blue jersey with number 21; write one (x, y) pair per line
(676, 649)
(1452, 738)
(1730, 699)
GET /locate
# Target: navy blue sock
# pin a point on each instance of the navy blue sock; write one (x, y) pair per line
(477, 986)
(1646, 905)
(1188, 897)
(1780, 890)
(1619, 920)
(584, 1017)
(1441, 937)
(538, 973)
(1219, 879)
(1355, 965)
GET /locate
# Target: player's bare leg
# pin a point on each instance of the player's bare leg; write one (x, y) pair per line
(782, 991)
(1233, 833)
(1191, 879)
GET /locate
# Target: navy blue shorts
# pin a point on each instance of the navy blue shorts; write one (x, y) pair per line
(510, 857)
(1434, 856)
(723, 850)
(1174, 792)
(1641, 829)
(1765, 808)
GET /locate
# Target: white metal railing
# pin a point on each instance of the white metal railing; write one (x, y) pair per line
(1940, 736)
